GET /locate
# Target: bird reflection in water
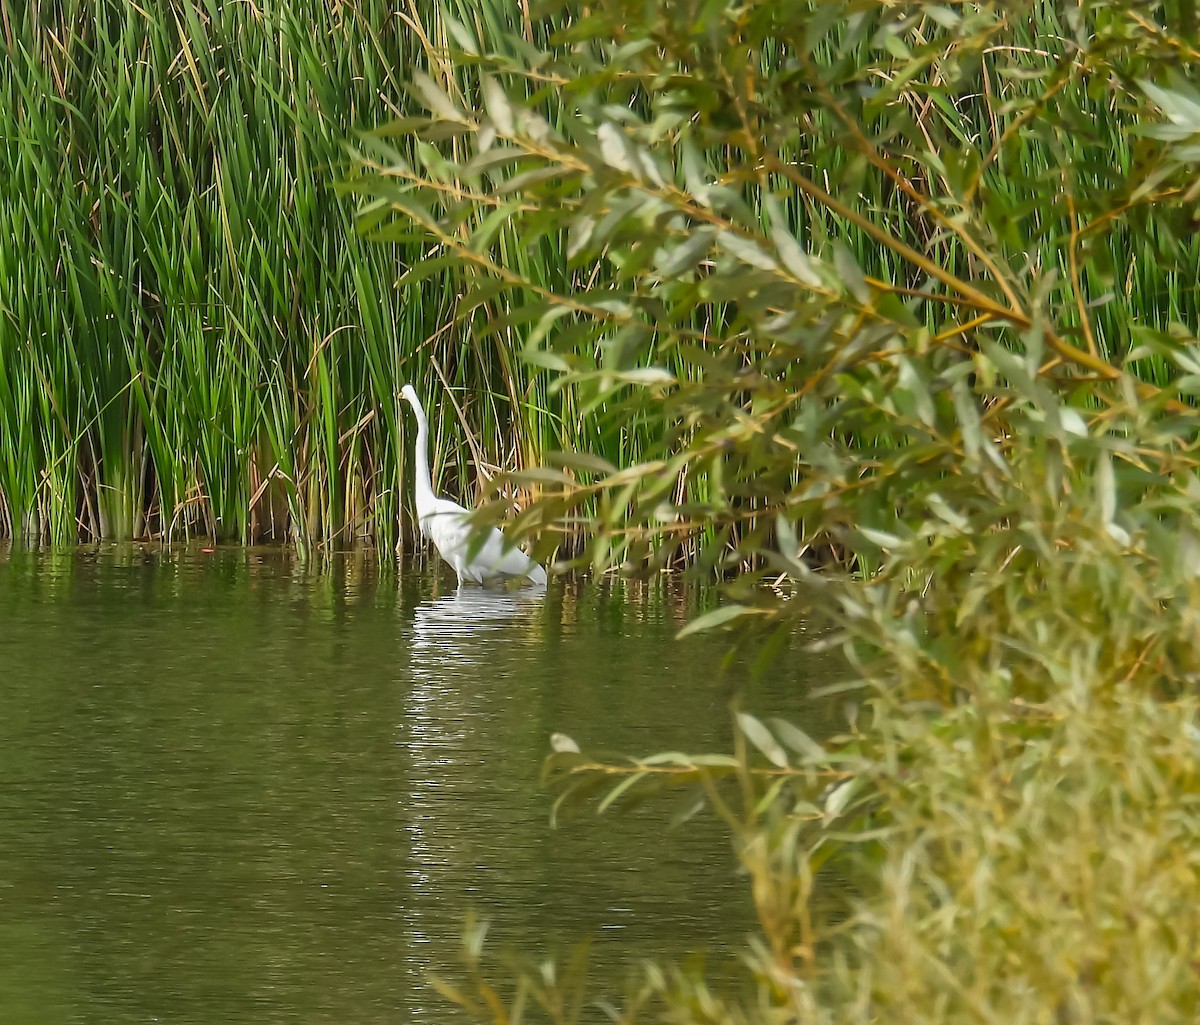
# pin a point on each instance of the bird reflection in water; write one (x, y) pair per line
(459, 626)
(470, 651)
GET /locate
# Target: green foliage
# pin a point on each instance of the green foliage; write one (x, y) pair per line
(894, 297)
(193, 339)
(786, 267)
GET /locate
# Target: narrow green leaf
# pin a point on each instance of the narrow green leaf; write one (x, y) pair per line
(646, 376)
(580, 461)
(762, 738)
(434, 97)
(745, 250)
(850, 273)
(794, 258)
(718, 617)
(799, 741)
(616, 792)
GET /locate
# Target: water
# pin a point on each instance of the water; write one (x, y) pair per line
(234, 789)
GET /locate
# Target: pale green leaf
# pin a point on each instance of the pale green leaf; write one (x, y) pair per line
(498, 106)
(799, 741)
(718, 617)
(434, 97)
(762, 738)
(795, 259)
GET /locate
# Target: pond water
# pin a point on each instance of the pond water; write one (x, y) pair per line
(237, 788)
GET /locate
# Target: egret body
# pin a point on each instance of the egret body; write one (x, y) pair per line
(447, 524)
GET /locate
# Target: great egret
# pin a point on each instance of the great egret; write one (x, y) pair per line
(447, 524)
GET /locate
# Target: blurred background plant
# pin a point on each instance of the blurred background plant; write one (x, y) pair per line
(894, 304)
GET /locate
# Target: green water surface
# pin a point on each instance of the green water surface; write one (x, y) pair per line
(238, 789)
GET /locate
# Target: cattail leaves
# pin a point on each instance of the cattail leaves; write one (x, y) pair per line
(194, 334)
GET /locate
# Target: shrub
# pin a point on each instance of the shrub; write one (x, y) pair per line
(895, 289)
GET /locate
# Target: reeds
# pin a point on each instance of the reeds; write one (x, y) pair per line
(194, 340)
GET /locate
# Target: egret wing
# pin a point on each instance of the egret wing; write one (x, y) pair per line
(500, 559)
(447, 526)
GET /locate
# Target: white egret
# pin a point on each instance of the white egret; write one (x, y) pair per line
(447, 524)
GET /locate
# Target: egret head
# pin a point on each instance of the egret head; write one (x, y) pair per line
(409, 395)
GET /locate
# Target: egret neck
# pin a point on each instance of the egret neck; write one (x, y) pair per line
(424, 480)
